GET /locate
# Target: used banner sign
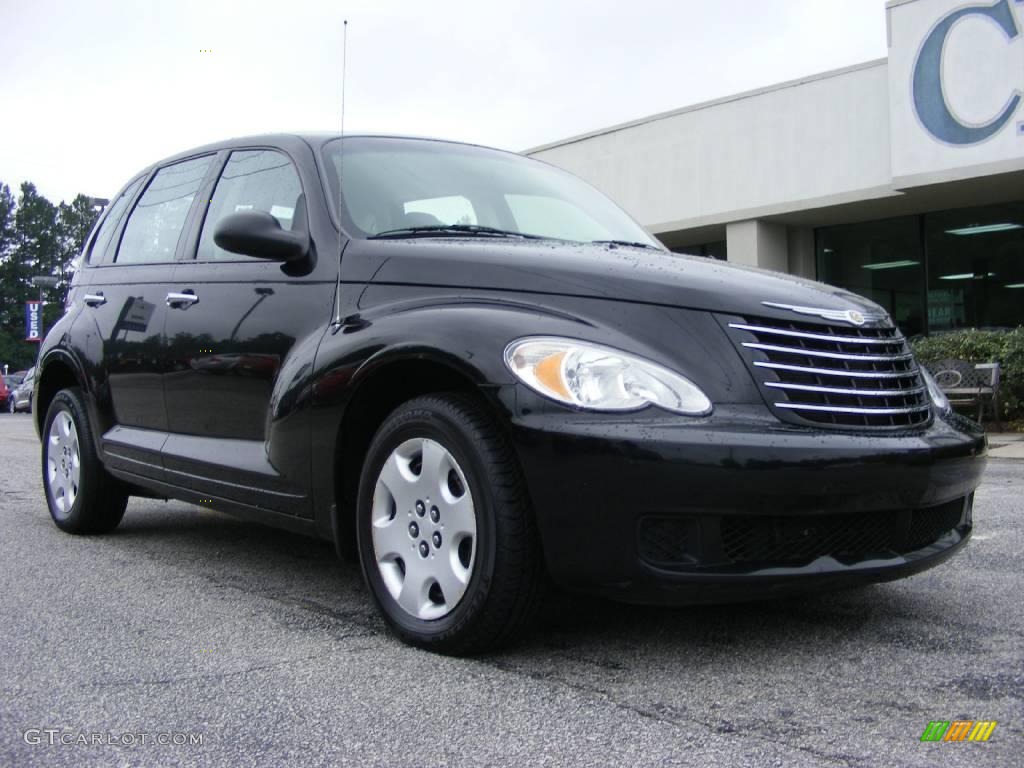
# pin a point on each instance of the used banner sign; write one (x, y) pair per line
(33, 320)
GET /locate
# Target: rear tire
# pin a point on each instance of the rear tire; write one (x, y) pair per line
(446, 535)
(81, 495)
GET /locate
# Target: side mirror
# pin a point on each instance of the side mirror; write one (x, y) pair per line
(257, 233)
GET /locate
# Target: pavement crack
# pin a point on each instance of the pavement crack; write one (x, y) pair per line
(668, 715)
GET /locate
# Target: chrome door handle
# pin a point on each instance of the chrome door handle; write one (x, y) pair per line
(94, 299)
(181, 299)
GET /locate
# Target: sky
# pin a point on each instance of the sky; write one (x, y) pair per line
(92, 92)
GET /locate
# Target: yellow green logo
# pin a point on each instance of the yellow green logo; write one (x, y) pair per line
(958, 730)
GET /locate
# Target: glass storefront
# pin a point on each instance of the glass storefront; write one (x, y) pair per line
(976, 267)
(715, 250)
(882, 260)
(953, 269)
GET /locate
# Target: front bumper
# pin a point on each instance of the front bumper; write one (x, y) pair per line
(661, 509)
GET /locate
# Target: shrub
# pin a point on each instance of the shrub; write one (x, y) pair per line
(974, 346)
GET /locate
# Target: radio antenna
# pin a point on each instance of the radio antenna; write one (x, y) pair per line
(338, 320)
(344, 57)
(341, 143)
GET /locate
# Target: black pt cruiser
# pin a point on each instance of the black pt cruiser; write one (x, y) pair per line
(476, 372)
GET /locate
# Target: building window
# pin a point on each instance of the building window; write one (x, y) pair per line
(972, 259)
(882, 260)
(715, 250)
(976, 267)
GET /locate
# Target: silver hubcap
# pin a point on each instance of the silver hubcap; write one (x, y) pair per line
(63, 463)
(424, 528)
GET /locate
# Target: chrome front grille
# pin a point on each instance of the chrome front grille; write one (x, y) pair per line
(835, 376)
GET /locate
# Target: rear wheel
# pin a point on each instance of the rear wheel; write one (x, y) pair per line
(446, 536)
(81, 495)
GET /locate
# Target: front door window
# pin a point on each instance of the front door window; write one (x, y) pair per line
(253, 180)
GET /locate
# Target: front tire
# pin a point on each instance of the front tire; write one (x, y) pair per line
(445, 532)
(81, 495)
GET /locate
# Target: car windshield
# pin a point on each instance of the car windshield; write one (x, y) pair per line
(414, 188)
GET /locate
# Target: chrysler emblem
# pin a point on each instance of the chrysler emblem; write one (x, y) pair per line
(851, 316)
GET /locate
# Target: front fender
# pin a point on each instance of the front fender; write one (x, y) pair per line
(467, 333)
(464, 338)
(473, 330)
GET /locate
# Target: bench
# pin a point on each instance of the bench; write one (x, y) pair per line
(969, 384)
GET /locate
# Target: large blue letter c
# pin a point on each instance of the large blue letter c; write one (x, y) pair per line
(929, 101)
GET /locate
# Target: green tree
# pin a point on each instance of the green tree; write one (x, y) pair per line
(75, 221)
(6, 221)
(9, 347)
(36, 238)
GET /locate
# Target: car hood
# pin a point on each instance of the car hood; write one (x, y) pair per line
(617, 273)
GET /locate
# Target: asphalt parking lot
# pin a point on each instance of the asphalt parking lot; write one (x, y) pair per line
(186, 621)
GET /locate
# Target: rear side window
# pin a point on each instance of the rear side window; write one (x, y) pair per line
(102, 244)
(253, 180)
(154, 226)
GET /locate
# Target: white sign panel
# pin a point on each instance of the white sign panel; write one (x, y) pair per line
(956, 89)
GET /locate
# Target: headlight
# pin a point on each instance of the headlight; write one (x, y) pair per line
(938, 396)
(601, 379)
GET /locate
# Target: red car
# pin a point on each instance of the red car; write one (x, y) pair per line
(4, 393)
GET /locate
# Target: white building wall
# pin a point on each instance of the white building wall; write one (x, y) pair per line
(758, 244)
(799, 145)
(980, 59)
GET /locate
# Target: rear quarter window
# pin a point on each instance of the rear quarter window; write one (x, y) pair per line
(102, 243)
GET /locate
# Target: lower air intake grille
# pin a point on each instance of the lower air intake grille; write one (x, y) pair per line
(927, 525)
(663, 540)
(835, 376)
(793, 540)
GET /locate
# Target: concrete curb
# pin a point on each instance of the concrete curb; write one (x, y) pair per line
(1006, 445)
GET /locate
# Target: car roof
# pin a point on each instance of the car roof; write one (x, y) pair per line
(314, 139)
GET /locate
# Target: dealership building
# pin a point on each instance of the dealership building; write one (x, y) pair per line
(900, 179)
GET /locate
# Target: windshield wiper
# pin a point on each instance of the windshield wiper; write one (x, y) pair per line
(628, 243)
(449, 229)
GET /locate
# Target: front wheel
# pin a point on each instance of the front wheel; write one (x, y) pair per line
(81, 496)
(445, 532)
